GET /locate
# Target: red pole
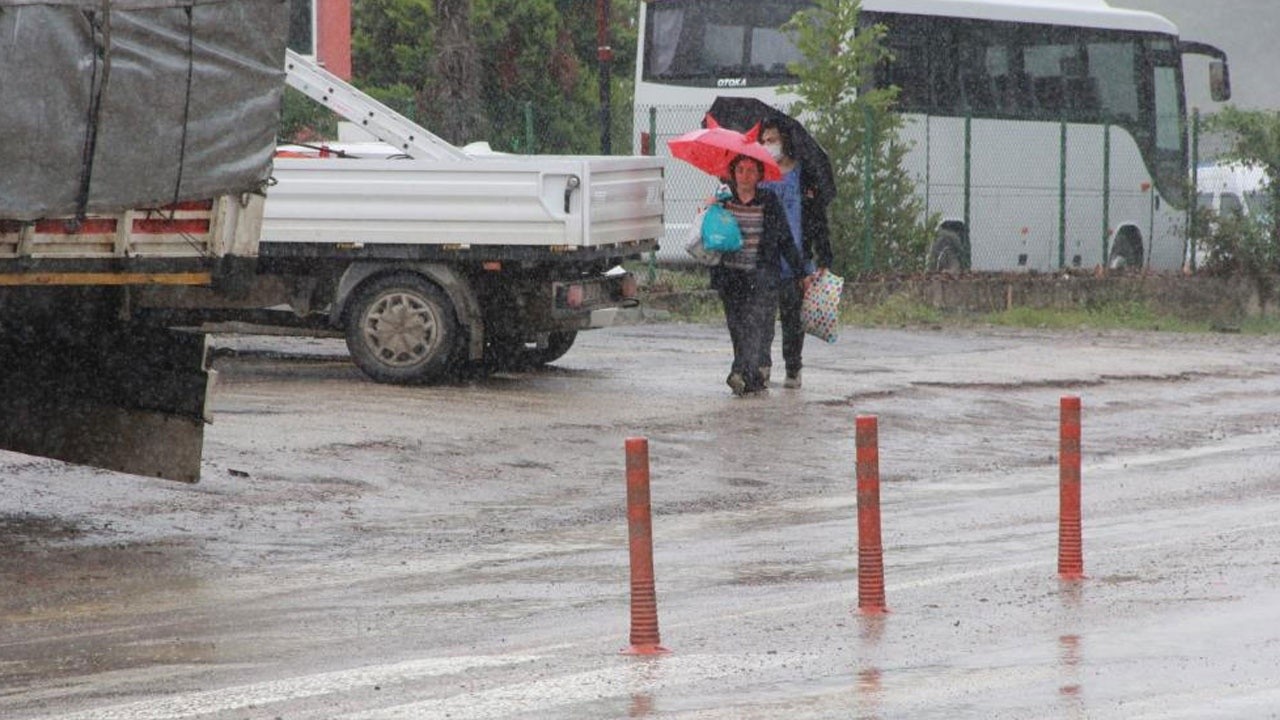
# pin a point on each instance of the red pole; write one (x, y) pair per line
(1070, 545)
(644, 600)
(870, 551)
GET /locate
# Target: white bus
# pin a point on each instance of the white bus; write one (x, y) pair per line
(1044, 133)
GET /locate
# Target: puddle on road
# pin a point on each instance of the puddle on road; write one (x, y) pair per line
(17, 530)
(71, 608)
(778, 574)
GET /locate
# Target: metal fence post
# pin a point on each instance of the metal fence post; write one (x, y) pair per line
(967, 257)
(1062, 197)
(928, 164)
(868, 166)
(528, 127)
(653, 130)
(1193, 191)
(653, 150)
(1106, 191)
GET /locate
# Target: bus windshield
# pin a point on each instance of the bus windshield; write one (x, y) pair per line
(719, 43)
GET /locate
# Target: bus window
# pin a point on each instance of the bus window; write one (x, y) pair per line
(771, 50)
(1050, 66)
(1168, 112)
(665, 25)
(1111, 67)
(976, 86)
(908, 43)
(700, 43)
(722, 49)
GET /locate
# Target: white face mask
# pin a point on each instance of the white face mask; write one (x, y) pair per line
(775, 149)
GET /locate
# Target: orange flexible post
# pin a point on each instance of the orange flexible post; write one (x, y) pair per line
(870, 550)
(644, 600)
(1070, 543)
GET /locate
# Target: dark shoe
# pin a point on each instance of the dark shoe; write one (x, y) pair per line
(737, 384)
(793, 381)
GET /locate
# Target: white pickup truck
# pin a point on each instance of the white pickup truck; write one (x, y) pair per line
(440, 258)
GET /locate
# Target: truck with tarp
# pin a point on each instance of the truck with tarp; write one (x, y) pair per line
(137, 140)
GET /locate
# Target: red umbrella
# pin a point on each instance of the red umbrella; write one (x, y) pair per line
(711, 149)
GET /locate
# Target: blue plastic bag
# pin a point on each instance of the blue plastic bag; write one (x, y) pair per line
(720, 232)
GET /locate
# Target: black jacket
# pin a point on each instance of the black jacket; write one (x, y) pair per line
(816, 232)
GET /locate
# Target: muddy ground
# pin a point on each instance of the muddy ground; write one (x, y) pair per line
(364, 551)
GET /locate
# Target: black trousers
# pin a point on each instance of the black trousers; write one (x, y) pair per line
(790, 298)
(750, 299)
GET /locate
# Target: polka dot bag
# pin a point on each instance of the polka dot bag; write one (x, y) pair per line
(820, 309)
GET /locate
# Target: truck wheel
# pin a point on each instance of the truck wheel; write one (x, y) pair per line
(402, 329)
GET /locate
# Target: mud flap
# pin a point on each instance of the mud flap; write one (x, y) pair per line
(128, 397)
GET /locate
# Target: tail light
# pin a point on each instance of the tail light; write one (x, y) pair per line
(646, 144)
(574, 296)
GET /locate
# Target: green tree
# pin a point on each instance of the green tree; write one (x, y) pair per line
(856, 124)
(391, 52)
(582, 21)
(454, 95)
(302, 120)
(529, 57)
(467, 69)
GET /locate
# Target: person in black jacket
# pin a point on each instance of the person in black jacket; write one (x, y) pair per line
(804, 202)
(748, 280)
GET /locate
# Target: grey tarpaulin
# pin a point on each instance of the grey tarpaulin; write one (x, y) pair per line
(178, 100)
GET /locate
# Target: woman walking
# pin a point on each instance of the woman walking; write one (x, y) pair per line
(748, 280)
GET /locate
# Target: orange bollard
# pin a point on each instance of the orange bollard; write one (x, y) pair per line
(870, 551)
(1070, 545)
(644, 600)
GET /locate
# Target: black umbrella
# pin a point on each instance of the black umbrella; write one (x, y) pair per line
(742, 113)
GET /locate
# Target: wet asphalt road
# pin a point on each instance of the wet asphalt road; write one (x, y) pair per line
(361, 551)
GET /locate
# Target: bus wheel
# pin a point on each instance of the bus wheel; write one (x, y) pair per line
(947, 253)
(402, 329)
(1126, 253)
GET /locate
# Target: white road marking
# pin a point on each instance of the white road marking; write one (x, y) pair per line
(629, 677)
(191, 705)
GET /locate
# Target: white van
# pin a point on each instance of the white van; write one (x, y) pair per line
(1227, 188)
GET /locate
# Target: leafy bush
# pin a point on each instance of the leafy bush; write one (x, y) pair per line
(1236, 245)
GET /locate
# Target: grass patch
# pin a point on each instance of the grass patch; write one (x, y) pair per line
(685, 294)
(1107, 316)
(897, 310)
(1254, 326)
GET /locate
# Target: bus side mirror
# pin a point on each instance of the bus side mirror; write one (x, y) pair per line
(1219, 81)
